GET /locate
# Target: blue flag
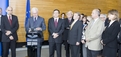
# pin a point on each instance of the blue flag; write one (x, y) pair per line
(4, 4)
(27, 11)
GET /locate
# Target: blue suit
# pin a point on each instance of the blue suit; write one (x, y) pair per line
(32, 23)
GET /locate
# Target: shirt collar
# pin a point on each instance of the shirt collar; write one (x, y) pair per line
(56, 18)
(35, 17)
(112, 21)
(96, 19)
(10, 16)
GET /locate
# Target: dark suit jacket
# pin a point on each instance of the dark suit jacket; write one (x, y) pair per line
(6, 26)
(52, 29)
(1, 19)
(0, 28)
(66, 26)
(31, 24)
(107, 21)
(110, 34)
(119, 39)
(75, 34)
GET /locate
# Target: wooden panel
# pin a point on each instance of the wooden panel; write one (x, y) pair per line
(46, 8)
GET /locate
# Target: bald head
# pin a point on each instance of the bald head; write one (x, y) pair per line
(95, 13)
(9, 10)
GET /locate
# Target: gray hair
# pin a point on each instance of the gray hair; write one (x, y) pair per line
(70, 12)
(103, 15)
(34, 9)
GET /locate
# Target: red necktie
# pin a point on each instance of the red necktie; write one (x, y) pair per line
(10, 20)
(69, 21)
(55, 22)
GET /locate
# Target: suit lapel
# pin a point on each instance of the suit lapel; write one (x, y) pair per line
(111, 24)
(93, 26)
(12, 20)
(74, 24)
(53, 25)
(59, 21)
(7, 21)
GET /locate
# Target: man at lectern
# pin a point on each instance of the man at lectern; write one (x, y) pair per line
(35, 23)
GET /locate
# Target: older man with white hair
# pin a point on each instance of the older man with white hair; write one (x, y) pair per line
(67, 23)
(103, 17)
(36, 24)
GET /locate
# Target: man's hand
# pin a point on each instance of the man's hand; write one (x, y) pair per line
(11, 38)
(77, 43)
(102, 42)
(87, 40)
(8, 32)
(67, 28)
(83, 41)
(29, 30)
(38, 29)
(55, 35)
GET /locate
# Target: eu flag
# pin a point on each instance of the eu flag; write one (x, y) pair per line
(4, 4)
(27, 11)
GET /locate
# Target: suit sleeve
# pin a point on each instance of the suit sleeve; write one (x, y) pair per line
(15, 28)
(2, 25)
(66, 25)
(27, 25)
(43, 25)
(98, 32)
(49, 27)
(113, 35)
(80, 29)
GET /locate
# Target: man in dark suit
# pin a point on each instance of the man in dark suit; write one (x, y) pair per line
(119, 40)
(37, 24)
(9, 29)
(55, 28)
(67, 23)
(1, 17)
(75, 34)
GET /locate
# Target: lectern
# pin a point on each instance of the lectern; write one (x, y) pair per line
(32, 41)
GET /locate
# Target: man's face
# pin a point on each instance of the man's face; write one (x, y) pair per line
(0, 11)
(9, 10)
(55, 14)
(34, 14)
(75, 16)
(93, 14)
(69, 15)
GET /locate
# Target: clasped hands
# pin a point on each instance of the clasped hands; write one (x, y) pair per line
(55, 35)
(37, 29)
(8, 33)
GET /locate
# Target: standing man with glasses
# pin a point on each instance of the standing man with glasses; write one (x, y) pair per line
(9, 29)
(36, 24)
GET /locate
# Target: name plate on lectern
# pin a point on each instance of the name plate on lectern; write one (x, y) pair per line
(32, 38)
